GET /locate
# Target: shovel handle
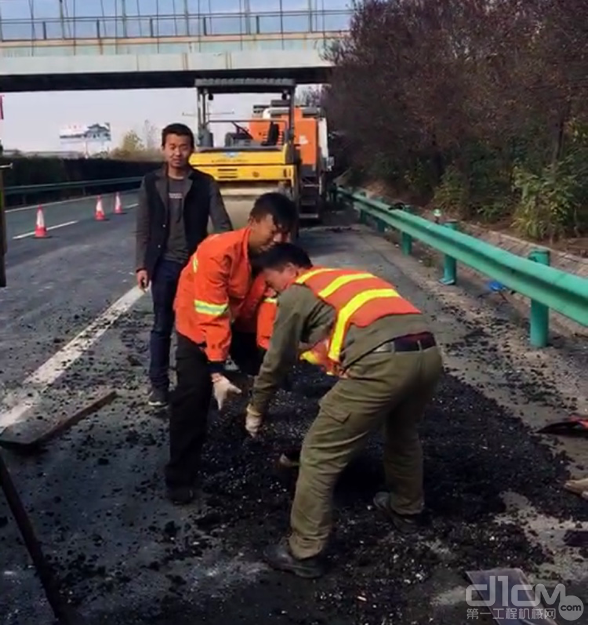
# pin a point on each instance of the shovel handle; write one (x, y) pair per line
(62, 611)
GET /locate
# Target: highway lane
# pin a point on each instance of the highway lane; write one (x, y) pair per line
(494, 489)
(59, 284)
(21, 221)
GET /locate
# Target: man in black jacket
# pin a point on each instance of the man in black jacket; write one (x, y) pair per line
(175, 203)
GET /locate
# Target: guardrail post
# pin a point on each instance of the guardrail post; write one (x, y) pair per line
(539, 313)
(406, 239)
(361, 213)
(358, 208)
(449, 277)
(381, 225)
(332, 195)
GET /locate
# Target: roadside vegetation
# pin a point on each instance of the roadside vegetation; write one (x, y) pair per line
(476, 107)
(139, 146)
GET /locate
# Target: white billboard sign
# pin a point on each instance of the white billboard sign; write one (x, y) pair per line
(86, 132)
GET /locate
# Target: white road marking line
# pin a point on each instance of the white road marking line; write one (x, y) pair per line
(30, 234)
(63, 225)
(17, 403)
(74, 199)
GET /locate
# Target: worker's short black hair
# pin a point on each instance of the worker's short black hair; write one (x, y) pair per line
(181, 130)
(282, 254)
(281, 207)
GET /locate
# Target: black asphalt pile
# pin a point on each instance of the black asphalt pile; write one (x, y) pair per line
(474, 452)
(577, 538)
(113, 535)
(123, 370)
(531, 382)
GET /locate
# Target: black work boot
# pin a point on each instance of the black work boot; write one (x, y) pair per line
(181, 495)
(279, 557)
(290, 459)
(405, 523)
(159, 397)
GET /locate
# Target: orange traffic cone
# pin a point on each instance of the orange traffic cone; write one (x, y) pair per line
(99, 214)
(40, 228)
(118, 205)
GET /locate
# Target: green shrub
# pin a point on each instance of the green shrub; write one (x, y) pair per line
(452, 193)
(548, 205)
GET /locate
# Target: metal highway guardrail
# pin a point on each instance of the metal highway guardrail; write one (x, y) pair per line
(547, 287)
(76, 184)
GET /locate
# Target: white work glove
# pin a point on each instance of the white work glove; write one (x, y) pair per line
(253, 421)
(222, 389)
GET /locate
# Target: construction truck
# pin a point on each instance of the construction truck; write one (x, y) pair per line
(310, 138)
(246, 166)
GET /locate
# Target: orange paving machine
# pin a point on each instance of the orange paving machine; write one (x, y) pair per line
(310, 140)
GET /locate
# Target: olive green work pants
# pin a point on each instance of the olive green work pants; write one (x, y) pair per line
(381, 389)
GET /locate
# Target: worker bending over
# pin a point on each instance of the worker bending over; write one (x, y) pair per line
(216, 305)
(289, 458)
(380, 347)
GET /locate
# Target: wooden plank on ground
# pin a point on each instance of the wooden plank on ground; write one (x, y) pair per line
(30, 436)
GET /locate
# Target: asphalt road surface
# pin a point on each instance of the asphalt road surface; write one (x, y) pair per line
(57, 285)
(124, 555)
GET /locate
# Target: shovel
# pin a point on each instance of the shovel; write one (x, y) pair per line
(64, 613)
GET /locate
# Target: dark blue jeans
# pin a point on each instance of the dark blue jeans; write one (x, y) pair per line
(163, 291)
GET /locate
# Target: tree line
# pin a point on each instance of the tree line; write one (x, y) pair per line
(138, 146)
(477, 106)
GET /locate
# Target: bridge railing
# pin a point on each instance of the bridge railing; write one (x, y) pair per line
(178, 25)
(547, 287)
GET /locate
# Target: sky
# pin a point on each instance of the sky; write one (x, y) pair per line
(32, 121)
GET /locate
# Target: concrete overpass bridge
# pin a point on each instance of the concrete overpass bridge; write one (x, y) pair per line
(123, 50)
